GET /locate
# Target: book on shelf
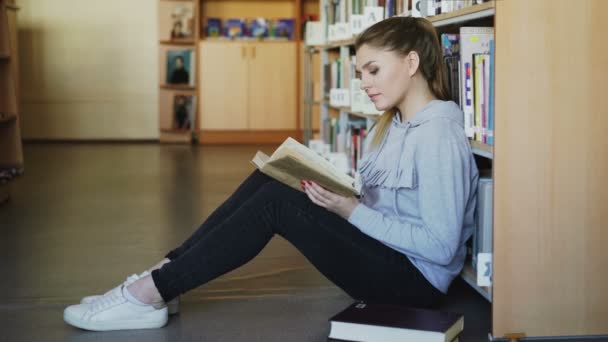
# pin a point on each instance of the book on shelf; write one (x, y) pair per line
(180, 67)
(258, 28)
(293, 162)
(183, 111)
(213, 27)
(473, 40)
(371, 322)
(176, 20)
(234, 28)
(282, 29)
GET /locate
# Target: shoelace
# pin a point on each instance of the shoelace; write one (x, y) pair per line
(108, 300)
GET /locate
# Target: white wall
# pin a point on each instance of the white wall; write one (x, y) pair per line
(89, 69)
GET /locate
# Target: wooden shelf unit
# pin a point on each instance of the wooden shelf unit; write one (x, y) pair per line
(168, 93)
(249, 88)
(11, 150)
(549, 198)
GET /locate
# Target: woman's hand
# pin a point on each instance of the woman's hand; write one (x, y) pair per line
(335, 203)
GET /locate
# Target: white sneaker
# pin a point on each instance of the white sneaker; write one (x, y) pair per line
(172, 305)
(114, 312)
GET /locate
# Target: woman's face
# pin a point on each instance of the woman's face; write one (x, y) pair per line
(179, 63)
(385, 76)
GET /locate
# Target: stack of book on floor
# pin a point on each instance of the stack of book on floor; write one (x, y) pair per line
(391, 323)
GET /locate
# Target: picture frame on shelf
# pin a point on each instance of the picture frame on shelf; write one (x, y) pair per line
(176, 21)
(183, 111)
(180, 67)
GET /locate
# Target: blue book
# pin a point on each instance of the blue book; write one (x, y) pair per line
(283, 29)
(490, 131)
(214, 27)
(234, 28)
(258, 28)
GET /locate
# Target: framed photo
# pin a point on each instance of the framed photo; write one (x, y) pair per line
(183, 111)
(180, 67)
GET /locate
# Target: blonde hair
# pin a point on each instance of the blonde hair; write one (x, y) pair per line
(404, 35)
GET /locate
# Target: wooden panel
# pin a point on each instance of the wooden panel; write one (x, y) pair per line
(223, 86)
(272, 86)
(11, 152)
(248, 9)
(551, 161)
(175, 137)
(88, 69)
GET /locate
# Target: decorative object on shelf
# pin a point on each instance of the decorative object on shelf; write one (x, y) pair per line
(183, 111)
(213, 28)
(258, 28)
(180, 67)
(282, 29)
(234, 28)
(176, 21)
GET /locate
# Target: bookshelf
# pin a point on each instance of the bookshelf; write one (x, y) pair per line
(548, 165)
(177, 38)
(11, 151)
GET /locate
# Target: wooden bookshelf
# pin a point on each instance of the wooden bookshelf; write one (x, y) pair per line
(8, 119)
(178, 42)
(468, 274)
(466, 14)
(11, 150)
(169, 93)
(549, 218)
(482, 149)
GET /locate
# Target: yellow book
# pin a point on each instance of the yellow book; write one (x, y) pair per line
(293, 162)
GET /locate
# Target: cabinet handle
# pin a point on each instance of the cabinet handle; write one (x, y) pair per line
(243, 52)
(253, 52)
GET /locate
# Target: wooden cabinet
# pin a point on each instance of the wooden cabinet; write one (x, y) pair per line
(223, 88)
(247, 86)
(272, 86)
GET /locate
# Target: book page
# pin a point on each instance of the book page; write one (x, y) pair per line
(309, 157)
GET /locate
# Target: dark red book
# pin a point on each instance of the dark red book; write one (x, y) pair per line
(392, 323)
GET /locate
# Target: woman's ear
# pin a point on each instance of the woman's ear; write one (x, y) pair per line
(412, 62)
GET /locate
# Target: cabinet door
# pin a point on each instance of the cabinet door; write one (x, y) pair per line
(223, 86)
(272, 86)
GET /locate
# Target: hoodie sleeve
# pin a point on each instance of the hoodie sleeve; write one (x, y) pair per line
(442, 161)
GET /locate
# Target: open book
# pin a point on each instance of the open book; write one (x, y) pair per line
(293, 162)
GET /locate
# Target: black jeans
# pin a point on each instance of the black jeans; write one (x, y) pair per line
(262, 207)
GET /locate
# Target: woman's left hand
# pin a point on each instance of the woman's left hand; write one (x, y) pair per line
(335, 203)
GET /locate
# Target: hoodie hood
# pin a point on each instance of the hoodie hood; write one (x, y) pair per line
(433, 110)
(385, 166)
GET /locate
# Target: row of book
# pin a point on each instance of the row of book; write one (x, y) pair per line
(344, 19)
(258, 28)
(469, 61)
(348, 141)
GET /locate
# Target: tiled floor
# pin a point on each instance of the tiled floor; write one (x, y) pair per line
(83, 217)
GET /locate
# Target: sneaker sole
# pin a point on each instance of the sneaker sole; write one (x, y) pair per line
(172, 306)
(117, 325)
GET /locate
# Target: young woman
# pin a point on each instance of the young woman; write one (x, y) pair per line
(402, 242)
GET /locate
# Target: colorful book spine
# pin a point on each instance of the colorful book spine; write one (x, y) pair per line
(490, 131)
(472, 40)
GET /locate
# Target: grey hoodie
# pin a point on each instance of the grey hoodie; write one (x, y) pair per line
(419, 191)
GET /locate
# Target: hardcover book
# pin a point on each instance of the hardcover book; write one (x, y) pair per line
(391, 323)
(214, 27)
(293, 162)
